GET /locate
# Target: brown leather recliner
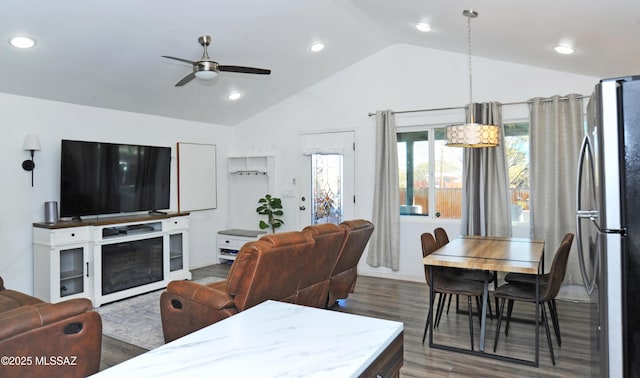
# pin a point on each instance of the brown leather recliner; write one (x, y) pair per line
(270, 268)
(314, 285)
(344, 274)
(40, 339)
(294, 267)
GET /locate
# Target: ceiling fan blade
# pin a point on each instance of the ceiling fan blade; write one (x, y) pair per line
(249, 70)
(186, 79)
(179, 59)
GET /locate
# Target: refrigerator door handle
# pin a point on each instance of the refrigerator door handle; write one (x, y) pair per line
(589, 282)
(586, 151)
(590, 214)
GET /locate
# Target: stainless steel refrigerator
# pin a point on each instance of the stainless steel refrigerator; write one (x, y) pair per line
(608, 225)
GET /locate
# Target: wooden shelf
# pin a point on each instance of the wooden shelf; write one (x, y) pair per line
(102, 221)
(251, 165)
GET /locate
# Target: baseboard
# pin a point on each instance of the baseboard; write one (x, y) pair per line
(203, 264)
(392, 276)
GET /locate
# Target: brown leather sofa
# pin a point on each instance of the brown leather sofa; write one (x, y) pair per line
(313, 288)
(269, 268)
(39, 339)
(293, 267)
(345, 272)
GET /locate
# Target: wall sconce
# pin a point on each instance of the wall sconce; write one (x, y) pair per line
(31, 143)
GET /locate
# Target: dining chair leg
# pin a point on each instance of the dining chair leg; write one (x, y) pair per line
(499, 314)
(479, 307)
(553, 312)
(429, 315)
(545, 321)
(443, 299)
(440, 309)
(458, 306)
(495, 287)
(436, 312)
(489, 307)
(509, 311)
(470, 320)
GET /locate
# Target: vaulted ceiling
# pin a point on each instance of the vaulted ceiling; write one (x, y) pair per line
(107, 53)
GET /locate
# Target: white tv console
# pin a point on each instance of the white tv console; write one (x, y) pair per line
(107, 259)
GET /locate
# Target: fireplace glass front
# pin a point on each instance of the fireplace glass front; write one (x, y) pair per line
(131, 264)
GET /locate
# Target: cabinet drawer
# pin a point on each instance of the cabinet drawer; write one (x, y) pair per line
(178, 223)
(231, 243)
(70, 235)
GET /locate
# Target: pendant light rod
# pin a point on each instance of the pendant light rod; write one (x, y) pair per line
(469, 14)
(472, 134)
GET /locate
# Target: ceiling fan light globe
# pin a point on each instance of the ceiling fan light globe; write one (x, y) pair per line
(206, 75)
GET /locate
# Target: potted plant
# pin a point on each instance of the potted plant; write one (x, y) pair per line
(271, 207)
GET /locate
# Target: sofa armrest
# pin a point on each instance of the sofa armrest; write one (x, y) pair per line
(203, 294)
(187, 306)
(63, 330)
(30, 317)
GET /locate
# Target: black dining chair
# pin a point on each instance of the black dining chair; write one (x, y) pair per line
(464, 274)
(546, 293)
(443, 285)
(530, 279)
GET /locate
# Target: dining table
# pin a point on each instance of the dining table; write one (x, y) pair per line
(490, 253)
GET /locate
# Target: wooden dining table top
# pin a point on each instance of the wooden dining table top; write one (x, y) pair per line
(500, 254)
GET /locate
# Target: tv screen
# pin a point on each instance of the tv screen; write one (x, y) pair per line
(107, 178)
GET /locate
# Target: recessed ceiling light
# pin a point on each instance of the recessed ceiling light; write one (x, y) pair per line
(423, 27)
(22, 42)
(317, 46)
(564, 50)
(234, 96)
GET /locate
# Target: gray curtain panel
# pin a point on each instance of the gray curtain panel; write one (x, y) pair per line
(556, 131)
(486, 206)
(384, 247)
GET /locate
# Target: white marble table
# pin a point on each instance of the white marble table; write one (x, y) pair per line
(275, 339)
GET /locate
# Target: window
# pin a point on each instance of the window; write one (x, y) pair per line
(516, 139)
(430, 173)
(327, 188)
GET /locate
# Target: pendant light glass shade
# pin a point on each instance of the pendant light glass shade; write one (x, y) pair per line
(472, 134)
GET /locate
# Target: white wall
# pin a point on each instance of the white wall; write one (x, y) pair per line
(54, 121)
(399, 77)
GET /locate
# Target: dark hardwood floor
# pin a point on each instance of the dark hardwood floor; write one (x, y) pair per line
(406, 302)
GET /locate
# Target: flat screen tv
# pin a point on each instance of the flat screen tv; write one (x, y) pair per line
(107, 178)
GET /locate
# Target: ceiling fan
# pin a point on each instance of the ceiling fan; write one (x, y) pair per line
(207, 69)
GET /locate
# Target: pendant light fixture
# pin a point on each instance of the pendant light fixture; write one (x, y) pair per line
(472, 134)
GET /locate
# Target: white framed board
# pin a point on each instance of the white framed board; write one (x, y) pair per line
(196, 176)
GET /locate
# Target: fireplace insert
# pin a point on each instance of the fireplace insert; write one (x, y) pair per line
(131, 264)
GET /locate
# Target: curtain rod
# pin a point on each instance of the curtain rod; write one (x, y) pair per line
(463, 107)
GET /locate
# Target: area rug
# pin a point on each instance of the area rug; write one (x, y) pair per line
(136, 320)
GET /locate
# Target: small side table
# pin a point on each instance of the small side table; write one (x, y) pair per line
(230, 241)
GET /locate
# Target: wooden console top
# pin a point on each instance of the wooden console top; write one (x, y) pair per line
(98, 221)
